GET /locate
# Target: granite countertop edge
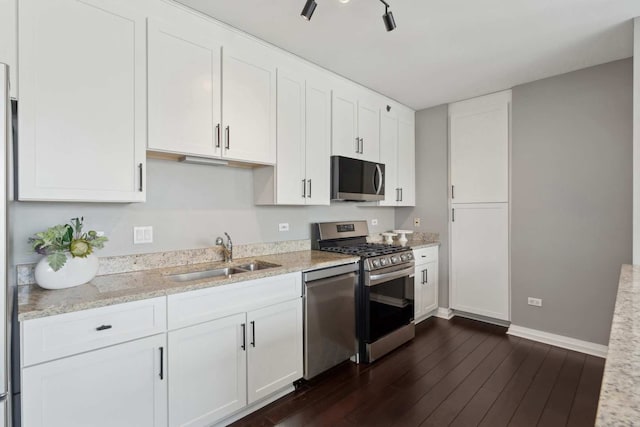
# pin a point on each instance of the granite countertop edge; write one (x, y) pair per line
(35, 302)
(619, 402)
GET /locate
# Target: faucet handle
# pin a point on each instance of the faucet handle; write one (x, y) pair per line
(228, 237)
(219, 241)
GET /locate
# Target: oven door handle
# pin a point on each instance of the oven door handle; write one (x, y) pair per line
(376, 279)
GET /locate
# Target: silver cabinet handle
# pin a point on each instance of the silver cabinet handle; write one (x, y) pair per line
(361, 145)
(228, 138)
(140, 177)
(357, 145)
(304, 188)
(253, 333)
(453, 215)
(244, 336)
(309, 193)
(401, 194)
(453, 192)
(161, 363)
(218, 135)
(397, 194)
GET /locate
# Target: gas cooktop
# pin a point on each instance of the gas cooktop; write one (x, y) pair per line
(367, 249)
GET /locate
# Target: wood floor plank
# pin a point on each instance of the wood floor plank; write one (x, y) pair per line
(394, 405)
(507, 402)
(477, 407)
(457, 400)
(532, 404)
(585, 403)
(558, 406)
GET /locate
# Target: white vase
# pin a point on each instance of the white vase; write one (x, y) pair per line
(75, 272)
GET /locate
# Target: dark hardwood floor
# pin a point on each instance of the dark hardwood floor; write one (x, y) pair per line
(459, 373)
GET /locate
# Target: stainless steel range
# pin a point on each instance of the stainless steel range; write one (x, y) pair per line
(384, 295)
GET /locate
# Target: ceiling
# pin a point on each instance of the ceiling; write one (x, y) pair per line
(442, 50)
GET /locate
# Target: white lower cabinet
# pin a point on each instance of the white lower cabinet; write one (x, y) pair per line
(208, 365)
(122, 385)
(426, 282)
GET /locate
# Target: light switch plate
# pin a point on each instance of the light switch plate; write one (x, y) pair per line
(142, 235)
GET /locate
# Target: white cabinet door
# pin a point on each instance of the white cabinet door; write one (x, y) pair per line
(480, 259)
(184, 90)
(318, 142)
(369, 131)
(207, 365)
(249, 105)
(9, 41)
(407, 162)
(389, 156)
(430, 287)
(275, 348)
(123, 385)
(290, 168)
(479, 137)
(344, 112)
(82, 120)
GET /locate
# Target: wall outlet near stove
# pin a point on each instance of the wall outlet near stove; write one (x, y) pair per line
(283, 227)
(416, 222)
(537, 302)
(142, 235)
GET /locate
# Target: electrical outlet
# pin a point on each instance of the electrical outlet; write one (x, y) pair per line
(416, 222)
(142, 235)
(374, 222)
(283, 227)
(537, 302)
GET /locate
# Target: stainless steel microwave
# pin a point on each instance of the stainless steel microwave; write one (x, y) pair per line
(356, 180)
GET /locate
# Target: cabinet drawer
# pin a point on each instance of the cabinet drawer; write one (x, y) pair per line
(199, 306)
(425, 255)
(53, 337)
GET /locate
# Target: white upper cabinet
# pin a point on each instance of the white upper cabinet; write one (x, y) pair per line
(249, 105)
(397, 152)
(389, 156)
(302, 173)
(184, 89)
(9, 41)
(407, 161)
(369, 131)
(479, 138)
(318, 141)
(82, 120)
(356, 126)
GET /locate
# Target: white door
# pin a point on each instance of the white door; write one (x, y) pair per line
(344, 112)
(275, 348)
(290, 168)
(249, 105)
(184, 90)
(123, 385)
(207, 364)
(480, 259)
(430, 287)
(389, 156)
(318, 142)
(407, 162)
(479, 137)
(83, 104)
(369, 131)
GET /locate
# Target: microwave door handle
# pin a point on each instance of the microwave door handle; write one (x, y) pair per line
(378, 188)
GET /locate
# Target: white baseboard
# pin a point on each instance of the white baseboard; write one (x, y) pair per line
(444, 313)
(587, 347)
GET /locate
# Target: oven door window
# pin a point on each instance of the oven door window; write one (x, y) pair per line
(388, 306)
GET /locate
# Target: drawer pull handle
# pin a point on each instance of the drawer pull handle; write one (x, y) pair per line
(103, 327)
(253, 333)
(161, 363)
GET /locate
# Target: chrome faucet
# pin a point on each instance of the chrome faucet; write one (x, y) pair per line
(227, 249)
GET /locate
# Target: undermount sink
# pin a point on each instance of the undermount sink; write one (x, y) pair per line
(257, 265)
(221, 272)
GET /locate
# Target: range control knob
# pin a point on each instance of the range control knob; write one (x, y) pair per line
(409, 256)
(404, 258)
(376, 263)
(394, 259)
(384, 261)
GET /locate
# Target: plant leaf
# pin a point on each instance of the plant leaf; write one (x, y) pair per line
(56, 260)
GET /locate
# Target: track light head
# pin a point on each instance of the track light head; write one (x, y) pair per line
(308, 9)
(387, 18)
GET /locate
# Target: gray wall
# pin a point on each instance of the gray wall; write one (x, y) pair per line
(572, 199)
(431, 187)
(188, 206)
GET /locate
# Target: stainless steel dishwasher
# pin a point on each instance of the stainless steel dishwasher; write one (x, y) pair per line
(329, 317)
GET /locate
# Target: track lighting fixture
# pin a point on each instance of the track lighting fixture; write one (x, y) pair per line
(387, 18)
(308, 9)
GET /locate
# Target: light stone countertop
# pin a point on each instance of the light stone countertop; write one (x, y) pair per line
(619, 403)
(419, 243)
(35, 302)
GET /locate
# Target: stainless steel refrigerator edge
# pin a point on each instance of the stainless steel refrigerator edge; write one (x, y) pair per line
(5, 296)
